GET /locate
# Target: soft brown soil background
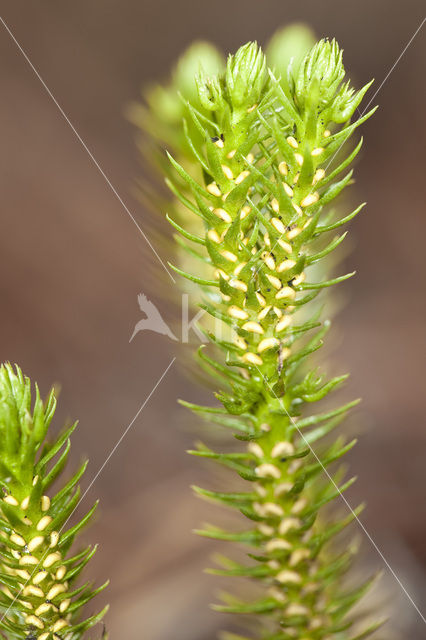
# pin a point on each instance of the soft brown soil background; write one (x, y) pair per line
(72, 263)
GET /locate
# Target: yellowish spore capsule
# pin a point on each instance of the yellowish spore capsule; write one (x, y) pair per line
(288, 577)
(318, 175)
(278, 544)
(285, 292)
(252, 358)
(23, 574)
(293, 142)
(7, 591)
(231, 154)
(28, 560)
(40, 576)
(260, 489)
(311, 198)
(35, 542)
(228, 255)
(283, 168)
(219, 272)
(327, 133)
(278, 225)
(261, 300)
(283, 324)
(43, 608)
(253, 327)
(275, 282)
(51, 559)
(288, 189)
(60, 572)
(227, 172)
(31, 590)
(299, 158)
(286, 265)
(274, 592)
(278, 312)
(43, 523)
(267, 239)
(285, 245)
(250, 158)
(45, 503)
(11, 500)
(283, 487)
(214, 189)
(297, 556)
(265, 529)
(282, 449)
(258, 508)
(240, 342)
(294, 466)
(238, 284)
(54, 539)
(222, 214)
(238, 313)
(244, 212)
(297, 209)
(242, 176)
(239, 268)
(262, 314)
(255, 449)
(34, 621)
(269, 261)
(295, 609)
(267, 343)
(55, 591)
(299, 279)
(25, 502)
(299, 506)
(287, 525)
(60, 624)
(272, 509)
(293, 233)
(275, 205)
(268, 470)
(17, 539)
(317, 152)
(64, 605)
(213, 235)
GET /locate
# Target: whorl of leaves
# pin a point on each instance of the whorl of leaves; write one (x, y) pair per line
(38, 596)
(271, 163)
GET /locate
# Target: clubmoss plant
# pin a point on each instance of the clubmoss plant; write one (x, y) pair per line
(38, 597)
(269, 169)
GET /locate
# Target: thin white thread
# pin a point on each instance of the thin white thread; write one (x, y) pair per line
(86, 148)
(395, 64)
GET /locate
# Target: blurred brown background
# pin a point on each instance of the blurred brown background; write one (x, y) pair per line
(72, 263)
